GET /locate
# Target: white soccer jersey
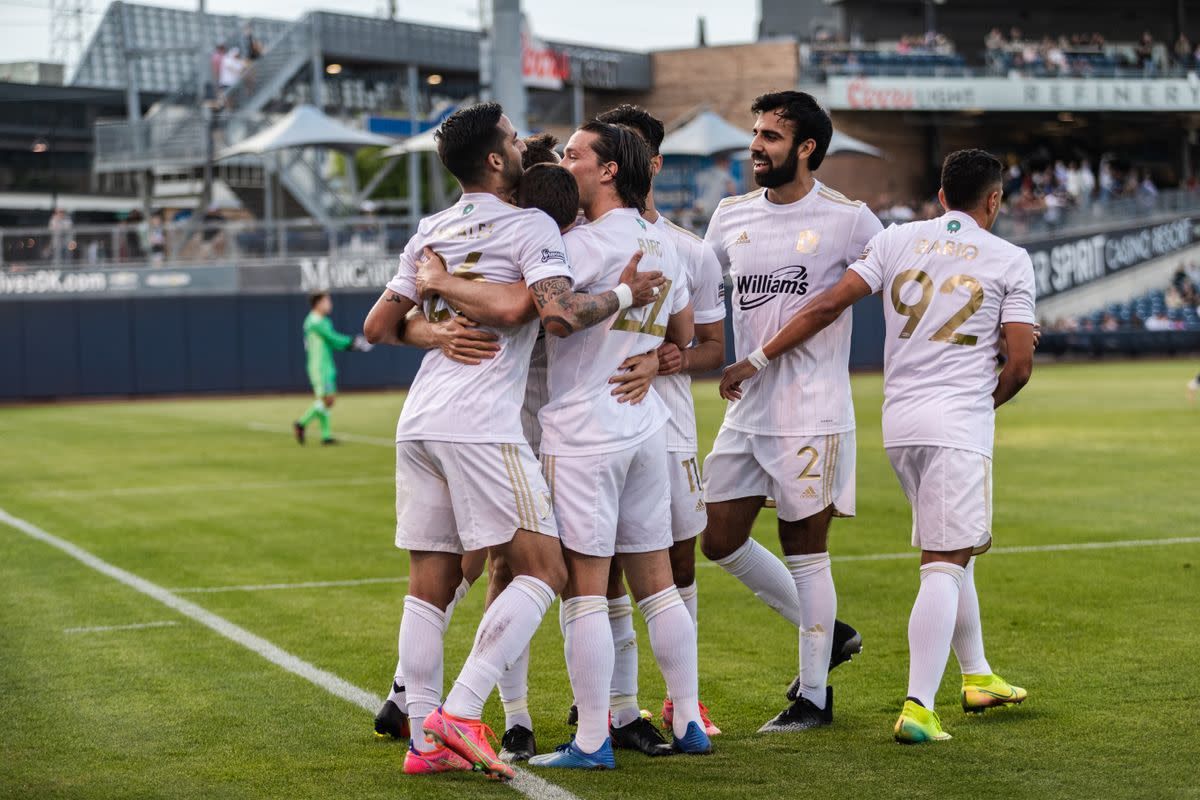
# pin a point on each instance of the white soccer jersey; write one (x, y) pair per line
(780, 257)
(947, 287)
(706, 288)
(582, 417)
(480, 237)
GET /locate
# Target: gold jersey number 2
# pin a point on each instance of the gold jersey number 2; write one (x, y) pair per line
(915, 311)
(435, 314)
(650, 323)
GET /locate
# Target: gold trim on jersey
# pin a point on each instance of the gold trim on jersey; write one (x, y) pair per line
(738, 198)
(682, 229)
(837, 197)
(526, 513)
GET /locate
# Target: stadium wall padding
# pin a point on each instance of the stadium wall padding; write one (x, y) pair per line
(221, 344)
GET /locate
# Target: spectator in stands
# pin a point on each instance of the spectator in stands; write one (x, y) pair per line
(156, 238)
(60, 235)
(251, 47)
(232, 67)
(1144, 52)
(214, 61)
(1183, 51)
(994, 43)
(1087, 183)
(1159, 322)
(1110, 323)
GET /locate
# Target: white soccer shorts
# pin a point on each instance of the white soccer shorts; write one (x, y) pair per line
(688, 514)
(804, 474)
(615, 502)
(950, 491)
(458, 496)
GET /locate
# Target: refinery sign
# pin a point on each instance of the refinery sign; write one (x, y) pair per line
(1013, 94)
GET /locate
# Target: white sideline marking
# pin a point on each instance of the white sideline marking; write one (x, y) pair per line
(137, 627)
(267, 587)
(526, 783)
(265, 427)
(205, 487)
(911, 555)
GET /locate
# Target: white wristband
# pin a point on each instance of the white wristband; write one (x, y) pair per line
(624, 296)
(758, 359)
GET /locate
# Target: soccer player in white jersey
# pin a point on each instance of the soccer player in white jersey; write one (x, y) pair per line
(470, 487)
(951, 292)
(706, 288)
(790, 436)
(606, 462)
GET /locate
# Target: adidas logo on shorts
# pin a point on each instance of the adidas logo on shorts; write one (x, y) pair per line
(809, 494)
(699, 505)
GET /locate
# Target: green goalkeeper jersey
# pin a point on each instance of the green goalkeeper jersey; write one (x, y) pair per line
(320, 340)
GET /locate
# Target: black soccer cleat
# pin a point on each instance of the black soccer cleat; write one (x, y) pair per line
(847, 643)
(391, 722)
(573, 715)
(330, 441)
(517, 744)
(802, 715)
(640, 735)
(298, 429)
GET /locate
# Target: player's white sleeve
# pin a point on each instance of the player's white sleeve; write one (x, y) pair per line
(539, 251)
(404, 282)
(585, 264)
(708, 303)
(871, 266)
(865, 228)
(713, 238)
(1020, 292)
(679, 296)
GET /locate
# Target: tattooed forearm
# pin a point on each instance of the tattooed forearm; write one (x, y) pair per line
(563, 311)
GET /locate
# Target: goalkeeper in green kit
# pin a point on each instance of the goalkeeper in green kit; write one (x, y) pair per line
(320, 340)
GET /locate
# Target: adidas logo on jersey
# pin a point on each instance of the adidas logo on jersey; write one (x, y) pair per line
(809, 493)
(743, 239)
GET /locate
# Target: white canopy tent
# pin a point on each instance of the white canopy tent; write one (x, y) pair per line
(305, 126)
(708, 133)
(421, 143)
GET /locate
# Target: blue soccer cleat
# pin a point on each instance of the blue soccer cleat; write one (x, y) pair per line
(695, 741)
(568, 756)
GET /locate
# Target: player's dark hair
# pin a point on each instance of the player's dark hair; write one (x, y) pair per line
(467, 138)
(552, 189)
(539, 149)
(625, 148)
(968, 176)
(805, 114)
(638, 118)
(315, 298)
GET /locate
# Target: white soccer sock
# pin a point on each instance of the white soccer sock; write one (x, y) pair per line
(673, 639)
(398, 694)
(422, 628)
(818, 608)
(968, 628)
(590, 665)
(514, 693)
(766, 576)
(503, 634)
(623, 702)
(930, 628)
(688, 593)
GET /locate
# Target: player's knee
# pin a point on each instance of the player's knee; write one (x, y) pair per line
(328, 400)
(499, 570)
(683, 563)
(716, 546)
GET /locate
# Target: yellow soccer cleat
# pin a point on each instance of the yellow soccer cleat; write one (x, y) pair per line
(918, 724)
(981, 692)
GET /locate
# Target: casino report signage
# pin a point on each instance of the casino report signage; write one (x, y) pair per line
(1068, 262)
(1012, 94)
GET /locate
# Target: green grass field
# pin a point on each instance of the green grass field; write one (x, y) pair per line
(214, 493)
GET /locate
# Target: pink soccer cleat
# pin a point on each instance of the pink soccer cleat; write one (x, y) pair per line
(441, 760)
(469, 739)
(668, 716)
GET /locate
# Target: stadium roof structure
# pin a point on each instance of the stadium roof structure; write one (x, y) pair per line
(160, 45)
(708, 133)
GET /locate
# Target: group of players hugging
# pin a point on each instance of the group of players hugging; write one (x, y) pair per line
(551, 433)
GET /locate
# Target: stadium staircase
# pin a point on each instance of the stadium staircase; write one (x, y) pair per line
(171, 136)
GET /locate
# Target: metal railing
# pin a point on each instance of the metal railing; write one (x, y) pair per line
(1100, 213)
(266, 76)
(142, 243)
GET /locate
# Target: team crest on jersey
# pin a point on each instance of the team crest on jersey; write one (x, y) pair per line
(954, 226)
(758, 290)
(743, 239)
(642, 222)
(468, 208)
(807, 241)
